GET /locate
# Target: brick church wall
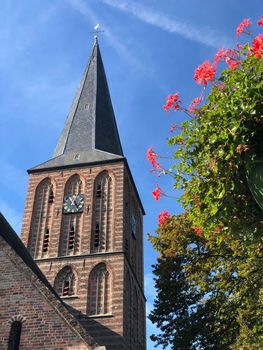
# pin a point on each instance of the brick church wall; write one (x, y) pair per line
(23, 295)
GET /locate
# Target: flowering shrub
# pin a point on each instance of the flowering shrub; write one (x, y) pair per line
(219, 139)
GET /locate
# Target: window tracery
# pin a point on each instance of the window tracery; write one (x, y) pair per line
(102, 215)
(39, 236)
(99, 291)
(65, 282)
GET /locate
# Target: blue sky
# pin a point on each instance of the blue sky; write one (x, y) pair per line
(149, 49)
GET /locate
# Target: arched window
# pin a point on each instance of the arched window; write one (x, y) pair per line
(102, 213)
(39, 236)
(71, 222)
(65, 282)
(14, 335)
(99, 291)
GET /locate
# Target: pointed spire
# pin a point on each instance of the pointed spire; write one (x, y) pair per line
(90, 133)
(91, 122)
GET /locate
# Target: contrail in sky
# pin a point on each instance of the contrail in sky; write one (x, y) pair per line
(206, 36)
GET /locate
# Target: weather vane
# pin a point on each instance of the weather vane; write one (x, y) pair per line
(97, 31)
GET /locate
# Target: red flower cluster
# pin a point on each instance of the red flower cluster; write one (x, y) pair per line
(232, 64)
(204, 73)
(240, 28)
(229, 56)
(258, 45)
(221, 54)
(151, 157)
(260, 22)
(172, 101)
(193, 104)
(198, 231)
(163, 216)
(157, 192)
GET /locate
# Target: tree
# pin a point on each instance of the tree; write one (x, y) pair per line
(209, 274)
(208, 295)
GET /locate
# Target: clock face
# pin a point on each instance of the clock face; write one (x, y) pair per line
(73, 204)
(134, 226)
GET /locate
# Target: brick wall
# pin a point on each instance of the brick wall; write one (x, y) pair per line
(22, 294)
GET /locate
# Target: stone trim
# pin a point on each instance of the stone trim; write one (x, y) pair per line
(18, 318)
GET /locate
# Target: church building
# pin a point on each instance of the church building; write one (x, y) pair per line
(76, 281)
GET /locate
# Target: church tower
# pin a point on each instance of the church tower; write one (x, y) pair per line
(83, 220)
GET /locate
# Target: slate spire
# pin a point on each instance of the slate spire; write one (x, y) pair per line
(90, 133)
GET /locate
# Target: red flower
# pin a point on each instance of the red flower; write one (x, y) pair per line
(193, 104)
(257, 47)
(232, 64)
(157, 192)
(151, 157)
(221, 53)
(242, 25)
(163, 216)
(172, 101)
(218, 230)
(240, 47)
(204, 73)
(198, 231)
(260, 22)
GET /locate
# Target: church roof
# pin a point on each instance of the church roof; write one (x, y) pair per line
(90, 133)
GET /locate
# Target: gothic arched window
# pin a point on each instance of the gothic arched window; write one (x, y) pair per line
(71, 223)
(99, 291)
(14, 335)
(102, 213)
(39, 236)
(65, 282)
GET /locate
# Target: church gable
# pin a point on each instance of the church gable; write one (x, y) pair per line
(29, 310)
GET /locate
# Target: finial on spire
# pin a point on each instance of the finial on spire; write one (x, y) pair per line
(96, 32)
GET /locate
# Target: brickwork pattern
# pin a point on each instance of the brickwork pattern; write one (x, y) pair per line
(46, 322)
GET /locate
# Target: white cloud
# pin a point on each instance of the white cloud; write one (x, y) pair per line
(206, 36)
(149, 287)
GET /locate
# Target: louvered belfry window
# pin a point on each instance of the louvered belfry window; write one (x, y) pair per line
(102, 213)
(99, 291)
(39, 237)
(71, 223)
(65, 282)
